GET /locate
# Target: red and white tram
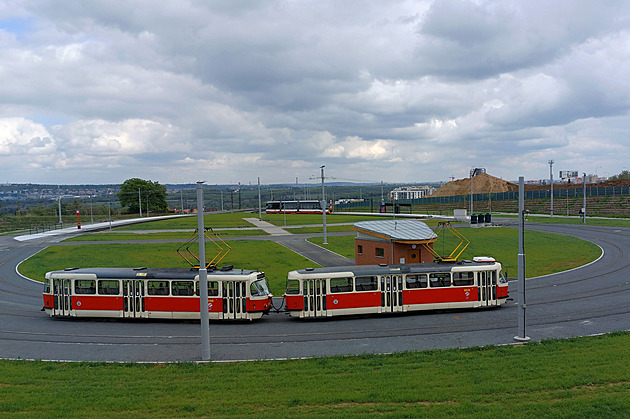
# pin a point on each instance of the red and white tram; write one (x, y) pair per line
(295, 207)
(363, 289)
(155, 293)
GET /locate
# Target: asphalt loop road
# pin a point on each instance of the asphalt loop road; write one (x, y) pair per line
(589, 300)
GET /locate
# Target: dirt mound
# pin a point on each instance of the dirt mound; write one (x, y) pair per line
(485, 183)
(482, 183)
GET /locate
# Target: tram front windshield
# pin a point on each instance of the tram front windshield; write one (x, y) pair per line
(502, 279)
(260, 288)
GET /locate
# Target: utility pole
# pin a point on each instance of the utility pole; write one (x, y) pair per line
(382, 193)
(259, 201)
(203, 278)
(584, 201)
(551, 183)
(522, 337)
(140, 202)
(472, 173)
(59, 203)
(324, 207)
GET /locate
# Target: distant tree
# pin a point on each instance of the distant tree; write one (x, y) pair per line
(151, 194)
(623, 175)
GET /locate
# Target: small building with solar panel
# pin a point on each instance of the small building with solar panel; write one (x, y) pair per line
(393, 242)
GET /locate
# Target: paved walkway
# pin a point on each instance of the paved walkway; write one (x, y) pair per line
(73, 230)
(267, 227)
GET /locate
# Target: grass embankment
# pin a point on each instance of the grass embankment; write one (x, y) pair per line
(581, 377)
(166, 235)
(545, 252)
(606, 222)
(273, 259)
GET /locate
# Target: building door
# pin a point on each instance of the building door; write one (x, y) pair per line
(413, 255)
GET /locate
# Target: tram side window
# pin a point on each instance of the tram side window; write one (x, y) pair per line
(365, 283)
(416, 281)
(293, 286)
(340, 284)
(108, 287)
(463, 278)
(213, 288)
(84, 286)
(439, 280)
(184, 288)
(157, 287)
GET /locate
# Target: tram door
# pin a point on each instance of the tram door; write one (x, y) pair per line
(62, 297)
(487, 294)
(391, 293)
(314, 297)
(133, 298)
(234, 299)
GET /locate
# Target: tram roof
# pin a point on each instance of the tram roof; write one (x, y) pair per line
(407, 230)
(383, 269)
(148, 273)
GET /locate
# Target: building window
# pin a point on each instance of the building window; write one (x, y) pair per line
(380, 252)
(360, 249)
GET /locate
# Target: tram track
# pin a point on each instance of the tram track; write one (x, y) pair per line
(559, 305)
(328, 335)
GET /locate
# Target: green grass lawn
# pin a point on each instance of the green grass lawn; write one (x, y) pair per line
(273, 259)
(308, 219)
(166, 235)
(545, 252)
(573, 378)
(222, 220)
(580, 377)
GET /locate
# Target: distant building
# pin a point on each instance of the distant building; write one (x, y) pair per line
(569, 176)
(411, 192)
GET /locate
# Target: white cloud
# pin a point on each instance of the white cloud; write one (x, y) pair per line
(395, 91)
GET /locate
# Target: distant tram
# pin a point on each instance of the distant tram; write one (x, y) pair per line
(155, 293)
(295, 207)
(365, 289)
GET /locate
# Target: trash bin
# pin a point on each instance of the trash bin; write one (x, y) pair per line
(473, 219)
(488, 218)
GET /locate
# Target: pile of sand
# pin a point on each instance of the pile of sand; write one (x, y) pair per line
(482, 183)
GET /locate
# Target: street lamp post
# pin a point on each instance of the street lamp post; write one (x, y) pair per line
(203, 278)
(324, 207)
(259, 201)
(551, 183)
(140, 202)
(472, 173)
(522, 336)
(584, 200)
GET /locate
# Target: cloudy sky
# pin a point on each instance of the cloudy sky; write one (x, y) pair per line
(228, 91)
